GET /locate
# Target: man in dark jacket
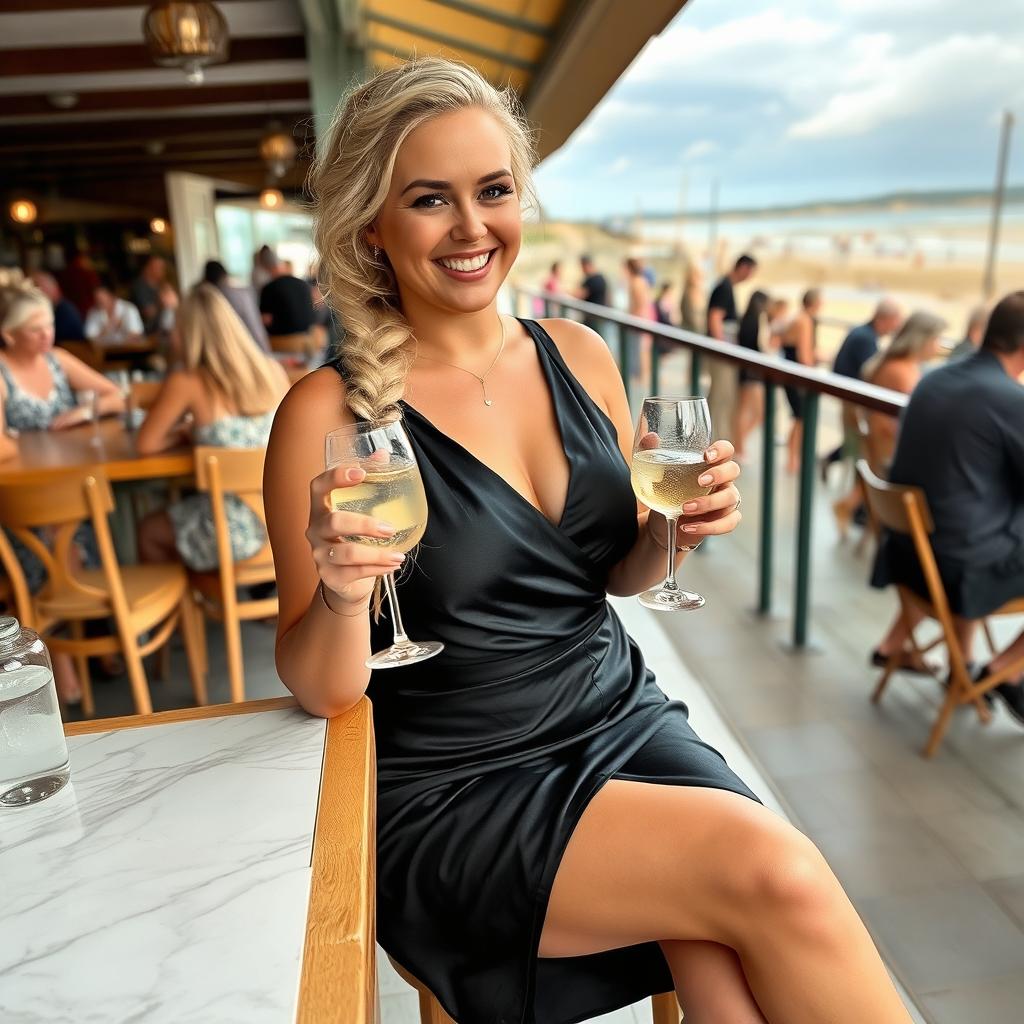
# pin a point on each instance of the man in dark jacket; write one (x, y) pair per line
(962, 442)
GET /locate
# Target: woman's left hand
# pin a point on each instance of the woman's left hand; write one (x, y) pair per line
(713, 514)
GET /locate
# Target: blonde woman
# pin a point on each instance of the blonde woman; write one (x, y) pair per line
(231, 389)
(899, 367)
(38, 383)
(553, 838)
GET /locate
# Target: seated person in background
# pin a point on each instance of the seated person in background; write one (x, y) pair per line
(861, 344)
(232, 389)
(241, 298)
(973, 334)
(147, 294)
(112, 321)
(286, 302)
(67, 321)
(899, 368)
(38, 381)
(962, 443)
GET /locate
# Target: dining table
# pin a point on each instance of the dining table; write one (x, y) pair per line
(210, 864)
(107, 445)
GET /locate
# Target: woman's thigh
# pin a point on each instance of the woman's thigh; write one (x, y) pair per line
(653, 862)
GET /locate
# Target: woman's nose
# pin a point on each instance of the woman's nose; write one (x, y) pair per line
(468, 224)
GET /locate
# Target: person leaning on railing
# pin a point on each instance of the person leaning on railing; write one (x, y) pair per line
(962, 442)
(553, 840)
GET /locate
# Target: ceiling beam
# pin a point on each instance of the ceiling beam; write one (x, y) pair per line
(146, 99)
(31, 6)
(497, 17)
(453, 42)
(65, 60)
(152, 128)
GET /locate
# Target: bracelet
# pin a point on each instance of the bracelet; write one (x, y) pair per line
(345, 615)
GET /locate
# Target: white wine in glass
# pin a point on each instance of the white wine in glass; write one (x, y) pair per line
(392, 491)
(672, 435)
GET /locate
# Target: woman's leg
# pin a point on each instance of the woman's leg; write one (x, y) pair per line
(795, 440)
(65, 678)
(679, 863)
(710, 983)
(156, 538)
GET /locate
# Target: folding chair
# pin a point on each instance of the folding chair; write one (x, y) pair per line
(904, 510)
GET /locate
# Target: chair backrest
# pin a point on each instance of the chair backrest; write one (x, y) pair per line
(44, 513)
(238, 471)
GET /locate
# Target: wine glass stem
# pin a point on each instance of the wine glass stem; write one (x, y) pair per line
(389, 584)
(670, 572)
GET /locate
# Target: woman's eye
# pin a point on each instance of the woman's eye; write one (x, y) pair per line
(496, 191)
(429, 202)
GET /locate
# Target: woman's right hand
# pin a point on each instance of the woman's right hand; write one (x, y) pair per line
(348, 569)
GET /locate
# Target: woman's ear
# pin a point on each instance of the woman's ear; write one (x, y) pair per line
(371, 234)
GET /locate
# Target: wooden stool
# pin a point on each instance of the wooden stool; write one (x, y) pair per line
(664, 1007)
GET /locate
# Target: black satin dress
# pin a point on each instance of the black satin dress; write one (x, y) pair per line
(489, 753)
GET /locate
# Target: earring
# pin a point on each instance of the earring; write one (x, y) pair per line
(376, 253)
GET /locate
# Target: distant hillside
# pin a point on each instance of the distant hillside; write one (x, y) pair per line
(939, 197)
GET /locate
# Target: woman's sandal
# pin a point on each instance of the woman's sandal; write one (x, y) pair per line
(908, 661)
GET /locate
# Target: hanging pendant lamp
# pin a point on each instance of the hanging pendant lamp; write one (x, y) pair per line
(187, 35)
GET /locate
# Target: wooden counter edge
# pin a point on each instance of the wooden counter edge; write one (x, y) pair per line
(249, 707)
(339, 979)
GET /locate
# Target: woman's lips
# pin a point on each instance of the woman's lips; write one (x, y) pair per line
(468, 275)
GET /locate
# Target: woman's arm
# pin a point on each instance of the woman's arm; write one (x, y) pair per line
(323, 624)
(82, 377)
(644, 566)
(162, 428)
(8, 446)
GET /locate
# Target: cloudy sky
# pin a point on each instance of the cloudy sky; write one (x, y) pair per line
(793, 100)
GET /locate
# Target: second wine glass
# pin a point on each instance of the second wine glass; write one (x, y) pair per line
(672, 435)
(391, 491)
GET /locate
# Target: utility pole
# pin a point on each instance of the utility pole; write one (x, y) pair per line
(989, 284)
(713, 229)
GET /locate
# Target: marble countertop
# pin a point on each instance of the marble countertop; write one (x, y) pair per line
(169, 880)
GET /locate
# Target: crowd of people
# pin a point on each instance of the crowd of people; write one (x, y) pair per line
(221, 384)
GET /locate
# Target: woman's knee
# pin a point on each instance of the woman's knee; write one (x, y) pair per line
(155, 537)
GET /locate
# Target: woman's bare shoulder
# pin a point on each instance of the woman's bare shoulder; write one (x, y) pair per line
(587, 356)
(314, 403)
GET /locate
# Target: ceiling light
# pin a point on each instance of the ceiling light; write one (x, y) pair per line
(271, 199)
(277, 149)
(63, 100)
(158, 225)
(187, 35)
(23, 211)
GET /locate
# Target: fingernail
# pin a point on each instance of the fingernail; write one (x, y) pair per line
(355, 473)
(396, 556)
(386, 528)
(706, 479)
(711, 454)
(689, 528)
(690, 506)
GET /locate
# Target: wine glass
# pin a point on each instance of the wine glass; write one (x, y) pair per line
(391, 491)
(672, 435)
(90, 400)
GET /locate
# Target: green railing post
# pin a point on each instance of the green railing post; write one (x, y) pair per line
(694, 372)
(808, 461)
(547, 309)
(655, 367)
(764, 603)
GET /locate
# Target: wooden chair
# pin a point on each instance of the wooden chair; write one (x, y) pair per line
(664, 1007)
(904, 510)
(238, 471)
(150, 599)
(302, 344)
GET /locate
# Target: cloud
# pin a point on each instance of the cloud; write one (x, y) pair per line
(700, 148)
(622, 163)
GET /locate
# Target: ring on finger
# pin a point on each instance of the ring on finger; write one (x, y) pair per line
(739, 501)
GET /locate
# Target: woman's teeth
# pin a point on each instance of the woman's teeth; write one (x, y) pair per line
(466, 265)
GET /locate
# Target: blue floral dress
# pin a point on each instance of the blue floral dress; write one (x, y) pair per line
(194, 531)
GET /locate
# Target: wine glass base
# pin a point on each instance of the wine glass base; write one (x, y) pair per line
(661, 600)
(404, 654)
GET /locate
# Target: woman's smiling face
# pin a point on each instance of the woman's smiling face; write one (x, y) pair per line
(451, 224)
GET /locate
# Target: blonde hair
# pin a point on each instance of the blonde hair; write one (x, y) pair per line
(912, 338)
(349, 182)
(18, 302)
(216, 344)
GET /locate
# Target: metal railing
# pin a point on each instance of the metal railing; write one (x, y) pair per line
(811, 381)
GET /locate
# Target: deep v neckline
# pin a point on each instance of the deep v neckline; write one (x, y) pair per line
(549, 376)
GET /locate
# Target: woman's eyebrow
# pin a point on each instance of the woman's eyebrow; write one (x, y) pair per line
(441, 185)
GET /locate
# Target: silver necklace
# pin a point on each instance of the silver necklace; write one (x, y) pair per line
(483, 379)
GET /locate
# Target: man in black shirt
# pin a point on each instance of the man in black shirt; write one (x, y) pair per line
(286, 303)
(722, 303)
(962, 442)
(594, 289)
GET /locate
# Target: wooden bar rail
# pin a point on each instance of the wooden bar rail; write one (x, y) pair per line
(812, 381)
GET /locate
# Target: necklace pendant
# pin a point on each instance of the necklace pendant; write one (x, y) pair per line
(488, 402)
